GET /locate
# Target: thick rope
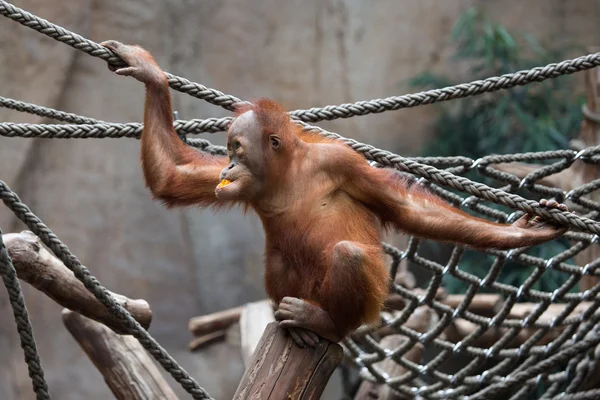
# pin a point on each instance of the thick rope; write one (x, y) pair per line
(592, 394)
(383, 157)
(17, 302)
(511, 381)
(94, 49)
(107, 130)
(413, 166)
(315, 114)
(46, 112)
(12, 201)
(95, 131)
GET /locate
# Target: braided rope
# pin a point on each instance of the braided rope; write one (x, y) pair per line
(592, 394)
(570, 345)
(316, 114)
(498, 388)
(94, 49)
(107, 130)
(46, 112)
(382, 157)
(15, 295)
(473, 88)
(12, 201)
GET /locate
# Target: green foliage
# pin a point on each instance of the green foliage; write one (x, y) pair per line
(539, 116)
(536, 117)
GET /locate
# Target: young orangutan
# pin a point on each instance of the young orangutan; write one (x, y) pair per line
(321, 205)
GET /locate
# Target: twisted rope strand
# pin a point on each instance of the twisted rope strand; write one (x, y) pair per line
(46, 112)
(12, 201)
(109, 131)
(316, 114)
(567, 345)
(78, 42)
(17, 302)
(383, 157)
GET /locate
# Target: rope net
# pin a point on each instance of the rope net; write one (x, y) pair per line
(505, 349)
(429, 346)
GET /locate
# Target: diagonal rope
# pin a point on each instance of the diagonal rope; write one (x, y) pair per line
(46, 112)
(491, 382)
(15, 295)
(380, 156)
(316, 114)
(94, 49)
(383, 157)
(12, 201)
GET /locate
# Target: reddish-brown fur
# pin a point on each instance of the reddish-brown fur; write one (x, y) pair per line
(321, 204)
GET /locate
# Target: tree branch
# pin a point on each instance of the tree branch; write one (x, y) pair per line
(45, 272)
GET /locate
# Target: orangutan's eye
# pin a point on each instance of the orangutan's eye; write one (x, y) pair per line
(275, 141)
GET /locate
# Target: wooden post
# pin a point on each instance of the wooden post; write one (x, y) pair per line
(127, 369)
(45, 272)
(280, 369)
(589, 134)
(254, 320)
(380, 391)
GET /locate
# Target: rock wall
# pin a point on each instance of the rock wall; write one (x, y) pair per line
(189, 262)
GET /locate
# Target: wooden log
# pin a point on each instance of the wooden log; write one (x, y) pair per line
(208, 339)
(44, 271)
(589, 134)
(209, 323)
(280, 369)
(253, 322)
(127, 369)
(379, 391)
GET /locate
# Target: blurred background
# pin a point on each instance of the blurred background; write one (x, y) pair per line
(190, 262)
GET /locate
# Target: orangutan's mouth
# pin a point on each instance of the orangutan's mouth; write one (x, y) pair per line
(223, 183)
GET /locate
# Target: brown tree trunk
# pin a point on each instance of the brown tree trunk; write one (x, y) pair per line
(127, 369)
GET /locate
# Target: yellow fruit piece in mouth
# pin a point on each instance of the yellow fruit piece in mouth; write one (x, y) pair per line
(223, 183)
